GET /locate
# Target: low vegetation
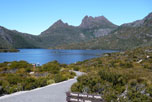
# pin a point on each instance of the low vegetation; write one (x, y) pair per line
(118, 77)
(18, 76)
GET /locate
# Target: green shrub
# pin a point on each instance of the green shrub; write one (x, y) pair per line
(50, 81)
(59, 78)
(113, 77)
(20, 64)
(76, 68)
(52, 67)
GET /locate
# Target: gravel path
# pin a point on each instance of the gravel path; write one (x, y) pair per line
(50, 93)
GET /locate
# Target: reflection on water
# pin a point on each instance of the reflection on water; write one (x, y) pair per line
(43, 56)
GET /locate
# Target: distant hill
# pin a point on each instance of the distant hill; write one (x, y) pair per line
(14, 39)
(126, 36)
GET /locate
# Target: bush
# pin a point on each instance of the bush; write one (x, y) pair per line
(52, 67)
(59, 78)
(13, 79)
(76, 68)
(20, 64)
(50, 81)
(113, 77)
(41, 82)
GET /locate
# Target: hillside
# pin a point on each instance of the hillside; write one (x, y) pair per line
(118, 77)
(126, 36)
(15, 39)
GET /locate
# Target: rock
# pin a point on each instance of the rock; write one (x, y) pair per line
(140, 61)
(41, 74)
(143, 91)
(31, 73)
(102, 32)
(124, 94)
(10, 71)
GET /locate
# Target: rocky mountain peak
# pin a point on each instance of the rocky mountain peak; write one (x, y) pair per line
(93, 22)
(149, 16)
(59, 23)
(94, 18)
(101, 18)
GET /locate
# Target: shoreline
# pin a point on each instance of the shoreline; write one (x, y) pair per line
(9, 50)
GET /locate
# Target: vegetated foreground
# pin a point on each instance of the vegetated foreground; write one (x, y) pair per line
(18, 76)
(118, 77)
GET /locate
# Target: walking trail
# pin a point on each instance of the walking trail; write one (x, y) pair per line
(50, 93)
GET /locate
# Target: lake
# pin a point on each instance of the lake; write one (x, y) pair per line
(42, 56)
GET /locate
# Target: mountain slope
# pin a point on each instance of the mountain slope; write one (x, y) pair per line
(138, 33)
(14, 39)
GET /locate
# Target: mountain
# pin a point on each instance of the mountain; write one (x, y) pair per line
(92, 33)
(15, 39)
(96, 26)
(90, 22)
(61, 33)
(126, 36)
(58, 34)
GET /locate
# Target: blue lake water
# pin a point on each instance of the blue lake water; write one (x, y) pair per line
(43, 56)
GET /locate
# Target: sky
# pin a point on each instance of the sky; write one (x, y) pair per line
(35, 16)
